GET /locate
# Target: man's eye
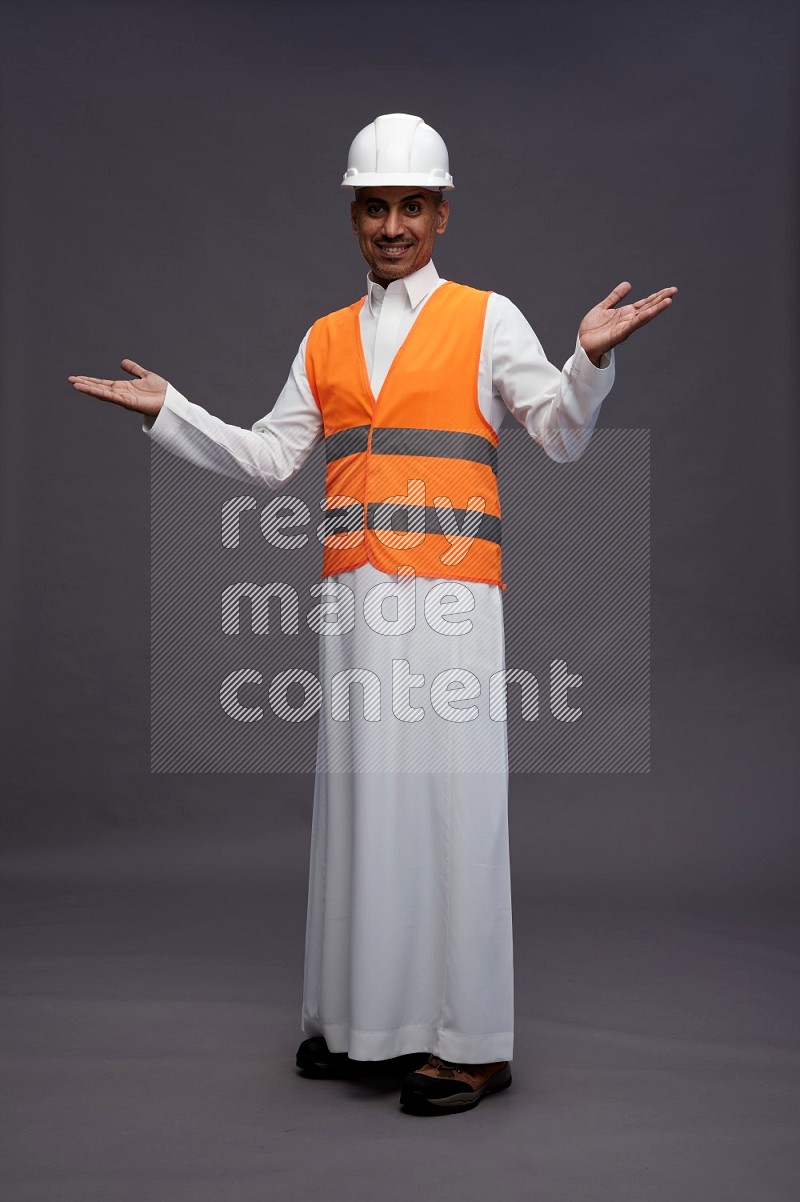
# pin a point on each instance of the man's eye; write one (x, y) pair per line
(413, 209)
(373, 210)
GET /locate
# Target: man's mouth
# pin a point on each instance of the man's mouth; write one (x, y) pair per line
(394, 250)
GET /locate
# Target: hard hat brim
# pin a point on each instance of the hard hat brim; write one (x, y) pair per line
(380, 179)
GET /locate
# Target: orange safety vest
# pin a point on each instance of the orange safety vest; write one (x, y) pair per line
(411, 475)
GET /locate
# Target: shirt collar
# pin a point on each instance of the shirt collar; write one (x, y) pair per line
(416, 286)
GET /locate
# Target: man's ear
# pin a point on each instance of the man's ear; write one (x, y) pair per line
(442, 216)
(353, 216)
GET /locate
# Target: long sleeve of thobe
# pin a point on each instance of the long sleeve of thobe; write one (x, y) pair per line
(272, 451)
(558, 408)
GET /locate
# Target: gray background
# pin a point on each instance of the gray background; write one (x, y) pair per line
(170, 193)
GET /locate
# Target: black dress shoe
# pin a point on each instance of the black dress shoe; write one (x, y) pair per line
(445, 1088)
(315, 1060)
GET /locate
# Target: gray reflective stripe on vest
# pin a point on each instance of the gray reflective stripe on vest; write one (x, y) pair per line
(346, 442)
(342, 519)
(401, 440)
(441, 444)
(488, 527)
(346, 518)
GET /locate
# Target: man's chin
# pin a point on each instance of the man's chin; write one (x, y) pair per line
(392, 270)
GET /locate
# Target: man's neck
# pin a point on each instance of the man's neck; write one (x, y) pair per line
(417, 283)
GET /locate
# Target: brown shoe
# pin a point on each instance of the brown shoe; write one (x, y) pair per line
(441, 1087)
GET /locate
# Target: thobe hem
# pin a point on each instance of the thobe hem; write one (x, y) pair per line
(403, 1041)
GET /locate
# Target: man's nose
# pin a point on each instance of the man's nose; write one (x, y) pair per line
(393, 225)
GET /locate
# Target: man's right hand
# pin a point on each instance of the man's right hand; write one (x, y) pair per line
(145, 394)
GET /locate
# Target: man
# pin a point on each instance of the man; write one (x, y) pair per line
(408, 938)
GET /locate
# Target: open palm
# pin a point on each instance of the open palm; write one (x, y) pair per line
(604, 327)
(145, 393)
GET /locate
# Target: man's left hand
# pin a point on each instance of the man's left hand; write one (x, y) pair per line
(604, 326)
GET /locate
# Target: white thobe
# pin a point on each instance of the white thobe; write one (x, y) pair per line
(408, 932)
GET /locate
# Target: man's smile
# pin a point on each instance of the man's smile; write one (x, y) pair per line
(394, 250)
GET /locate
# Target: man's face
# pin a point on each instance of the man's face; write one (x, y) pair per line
(396, 228)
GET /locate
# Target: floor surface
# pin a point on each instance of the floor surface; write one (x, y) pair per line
(150, 1017)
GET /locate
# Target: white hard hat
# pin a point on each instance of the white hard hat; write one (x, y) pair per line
(398, 149)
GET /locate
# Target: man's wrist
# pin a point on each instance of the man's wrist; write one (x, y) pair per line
(594, 357)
